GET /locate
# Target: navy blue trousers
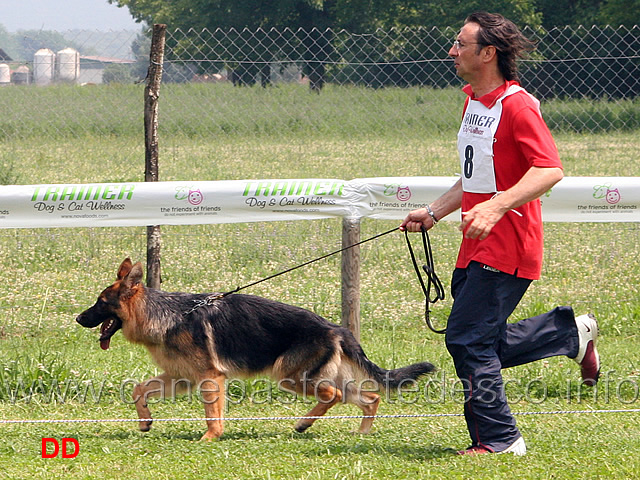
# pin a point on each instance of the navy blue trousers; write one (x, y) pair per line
(482, 343)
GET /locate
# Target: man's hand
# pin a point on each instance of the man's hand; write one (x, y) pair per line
(480, 220)
(416, 220)
(443, 206)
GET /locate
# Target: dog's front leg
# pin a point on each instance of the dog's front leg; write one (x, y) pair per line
(212, 389)
(153, 387)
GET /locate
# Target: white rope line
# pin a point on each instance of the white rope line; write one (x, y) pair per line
(279, 418)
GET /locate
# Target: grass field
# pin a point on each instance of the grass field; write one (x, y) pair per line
(51, 275)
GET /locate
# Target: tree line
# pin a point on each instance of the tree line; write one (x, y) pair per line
(315, 24)
(358, 16)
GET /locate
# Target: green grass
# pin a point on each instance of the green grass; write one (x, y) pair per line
(51, 275)
(206, 111)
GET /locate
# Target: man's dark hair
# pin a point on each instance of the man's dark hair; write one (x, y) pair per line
(506, 37)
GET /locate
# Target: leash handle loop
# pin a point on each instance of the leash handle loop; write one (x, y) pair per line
(432, 278)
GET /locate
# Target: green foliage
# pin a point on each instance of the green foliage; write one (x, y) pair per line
(117, 73)
(8, 43)
(353, 15)
(560, 13)
(25, 43)
(452, 14)
(312, 23)
(620, 12)
(41, 376)
(601, 63)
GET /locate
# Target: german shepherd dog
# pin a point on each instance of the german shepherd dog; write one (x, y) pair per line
(239, 335)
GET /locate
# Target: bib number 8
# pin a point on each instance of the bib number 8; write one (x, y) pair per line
(468, 161)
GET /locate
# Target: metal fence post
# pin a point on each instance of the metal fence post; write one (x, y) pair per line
(351, 276)
(151, 95)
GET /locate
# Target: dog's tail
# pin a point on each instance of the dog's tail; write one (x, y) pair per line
(399, 376)
(387, 379)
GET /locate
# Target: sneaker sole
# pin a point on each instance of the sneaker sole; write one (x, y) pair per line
(587, 378)
(518, 448)
(592, 380)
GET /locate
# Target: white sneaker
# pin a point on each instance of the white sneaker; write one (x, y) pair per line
(588, 357)
(517, 448)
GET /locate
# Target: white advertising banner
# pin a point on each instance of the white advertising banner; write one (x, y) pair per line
(574, 199)
(391, 198)
(593, 199)
(170, 203)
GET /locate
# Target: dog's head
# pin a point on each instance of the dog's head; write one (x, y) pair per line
(112, 307)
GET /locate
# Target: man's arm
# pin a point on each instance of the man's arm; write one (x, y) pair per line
(443, 206)
(480, 220)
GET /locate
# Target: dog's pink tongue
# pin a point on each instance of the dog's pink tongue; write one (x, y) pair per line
(104, 344)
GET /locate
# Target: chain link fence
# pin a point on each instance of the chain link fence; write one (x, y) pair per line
(241, 85)
(587, 77)
(570, 62)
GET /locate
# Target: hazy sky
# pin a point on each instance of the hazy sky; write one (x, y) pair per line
(64, 15)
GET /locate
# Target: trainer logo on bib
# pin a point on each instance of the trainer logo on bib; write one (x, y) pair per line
(475, 120)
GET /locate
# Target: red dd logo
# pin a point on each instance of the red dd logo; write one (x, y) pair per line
(56, 447)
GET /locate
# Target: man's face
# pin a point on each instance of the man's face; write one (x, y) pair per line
(464, 52)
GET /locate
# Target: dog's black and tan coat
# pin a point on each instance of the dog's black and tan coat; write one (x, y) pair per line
(239, 336)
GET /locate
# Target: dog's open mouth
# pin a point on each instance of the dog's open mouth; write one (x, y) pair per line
(108, 328)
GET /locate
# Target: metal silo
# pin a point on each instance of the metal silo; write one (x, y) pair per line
(5, 74)
(68, 64)
(43, 66)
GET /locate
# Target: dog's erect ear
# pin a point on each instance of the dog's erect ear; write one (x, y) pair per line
(134, 276)
(125, 268)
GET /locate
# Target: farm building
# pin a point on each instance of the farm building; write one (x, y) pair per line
(92, 68)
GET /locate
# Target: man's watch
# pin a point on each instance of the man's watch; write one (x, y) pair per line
(431, 214)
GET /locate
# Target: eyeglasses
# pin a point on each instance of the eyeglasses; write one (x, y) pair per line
(458, 45)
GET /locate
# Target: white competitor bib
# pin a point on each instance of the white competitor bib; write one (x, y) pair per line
(475, 144)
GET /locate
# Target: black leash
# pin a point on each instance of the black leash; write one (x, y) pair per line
(311, 261)
(211, 298)
(432, 278)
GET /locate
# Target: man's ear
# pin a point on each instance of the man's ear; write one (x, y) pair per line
(489, 53)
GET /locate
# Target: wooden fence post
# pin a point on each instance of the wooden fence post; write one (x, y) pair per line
(151, 95)
(351, 276)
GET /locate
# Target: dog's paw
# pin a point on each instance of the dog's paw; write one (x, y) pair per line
(145, 425)
(209, 437)
(301, 426)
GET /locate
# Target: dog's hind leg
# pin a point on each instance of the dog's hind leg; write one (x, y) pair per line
(161, 386)
(212, 389)
(368, 403)
(327, 395)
